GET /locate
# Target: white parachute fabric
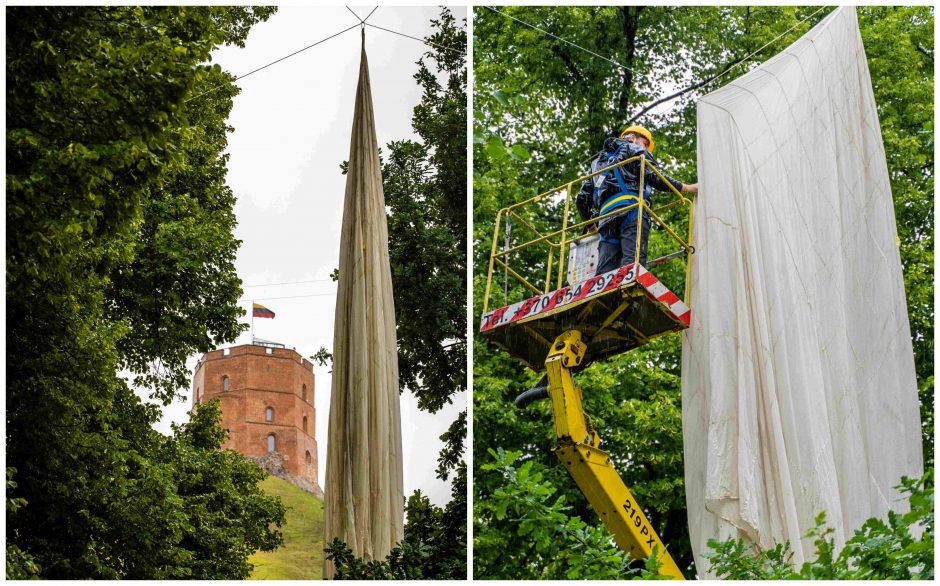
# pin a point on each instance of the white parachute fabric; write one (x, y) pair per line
(364, 490)
(798, 386)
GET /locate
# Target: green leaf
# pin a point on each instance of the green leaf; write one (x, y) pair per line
(520, 152)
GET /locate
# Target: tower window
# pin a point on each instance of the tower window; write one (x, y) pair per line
(271, 444)
(305, 424)
(303, 393)
(269, 414)
(308, 458)
(225, 384)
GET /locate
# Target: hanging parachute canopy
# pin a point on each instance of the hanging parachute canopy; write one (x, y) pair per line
(364, 492)
(798, 387)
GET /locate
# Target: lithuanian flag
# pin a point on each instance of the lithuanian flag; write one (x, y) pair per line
(258, 310)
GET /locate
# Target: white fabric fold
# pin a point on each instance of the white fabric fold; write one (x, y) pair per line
(364, 490)
(798, 385)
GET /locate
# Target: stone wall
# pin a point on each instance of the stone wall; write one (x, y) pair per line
(273, 464)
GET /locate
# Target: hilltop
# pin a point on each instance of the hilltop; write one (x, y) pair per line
(301, 555)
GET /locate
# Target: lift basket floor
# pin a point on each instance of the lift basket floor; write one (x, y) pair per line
(618, 311)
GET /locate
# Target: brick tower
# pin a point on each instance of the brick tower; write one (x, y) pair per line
(266, 398)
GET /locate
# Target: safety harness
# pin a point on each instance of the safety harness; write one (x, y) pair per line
(624, 197)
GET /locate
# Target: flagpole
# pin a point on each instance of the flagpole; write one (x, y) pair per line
(252, 342)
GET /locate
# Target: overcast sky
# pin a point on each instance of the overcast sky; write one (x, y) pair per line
(292, 127)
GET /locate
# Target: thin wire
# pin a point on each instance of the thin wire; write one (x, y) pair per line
(241, 77)
(287, 283)
(356, 15)
(362, 20)
(426, 42)
(560, 39)
(651, 105)
(771, 42)
(681, 92)
(288, 297)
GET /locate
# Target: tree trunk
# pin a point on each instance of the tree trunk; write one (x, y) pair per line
(631, 23)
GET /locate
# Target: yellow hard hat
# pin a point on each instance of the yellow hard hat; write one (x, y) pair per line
(642, 132)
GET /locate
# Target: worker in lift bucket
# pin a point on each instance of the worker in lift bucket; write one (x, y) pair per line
(619, 188)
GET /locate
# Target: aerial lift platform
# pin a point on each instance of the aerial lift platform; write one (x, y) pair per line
(566, 326)
(619, 310)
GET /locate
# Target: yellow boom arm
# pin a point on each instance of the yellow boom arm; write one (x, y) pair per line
(591, 467)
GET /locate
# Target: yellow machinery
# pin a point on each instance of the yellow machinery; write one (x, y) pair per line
(590, 318)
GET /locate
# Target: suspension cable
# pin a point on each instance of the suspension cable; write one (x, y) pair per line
(545, 32)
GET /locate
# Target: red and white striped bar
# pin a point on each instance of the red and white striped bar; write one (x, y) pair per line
(554, 301)
(657, 291)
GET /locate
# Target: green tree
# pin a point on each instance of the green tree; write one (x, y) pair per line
(554, 544)
(228, 515)
(20, 565)
(542, 107)
(119, 255)
(179, 295)
(426, 194)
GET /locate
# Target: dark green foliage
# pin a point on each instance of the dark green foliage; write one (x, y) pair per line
(184, 253)
(434, 547)
(553, 543)
(119, 256)
(556, 103)
(901, 549)
(229, 516)
(322, 357)
(20, 565)
(426, 194)
(455, 438)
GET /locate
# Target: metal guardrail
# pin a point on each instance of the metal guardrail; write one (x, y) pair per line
(558, 239)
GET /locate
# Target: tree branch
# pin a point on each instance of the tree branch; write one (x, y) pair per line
(631, 19)
(569, 64)
(684, 91)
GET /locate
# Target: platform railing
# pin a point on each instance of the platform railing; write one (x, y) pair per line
(557, 238)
